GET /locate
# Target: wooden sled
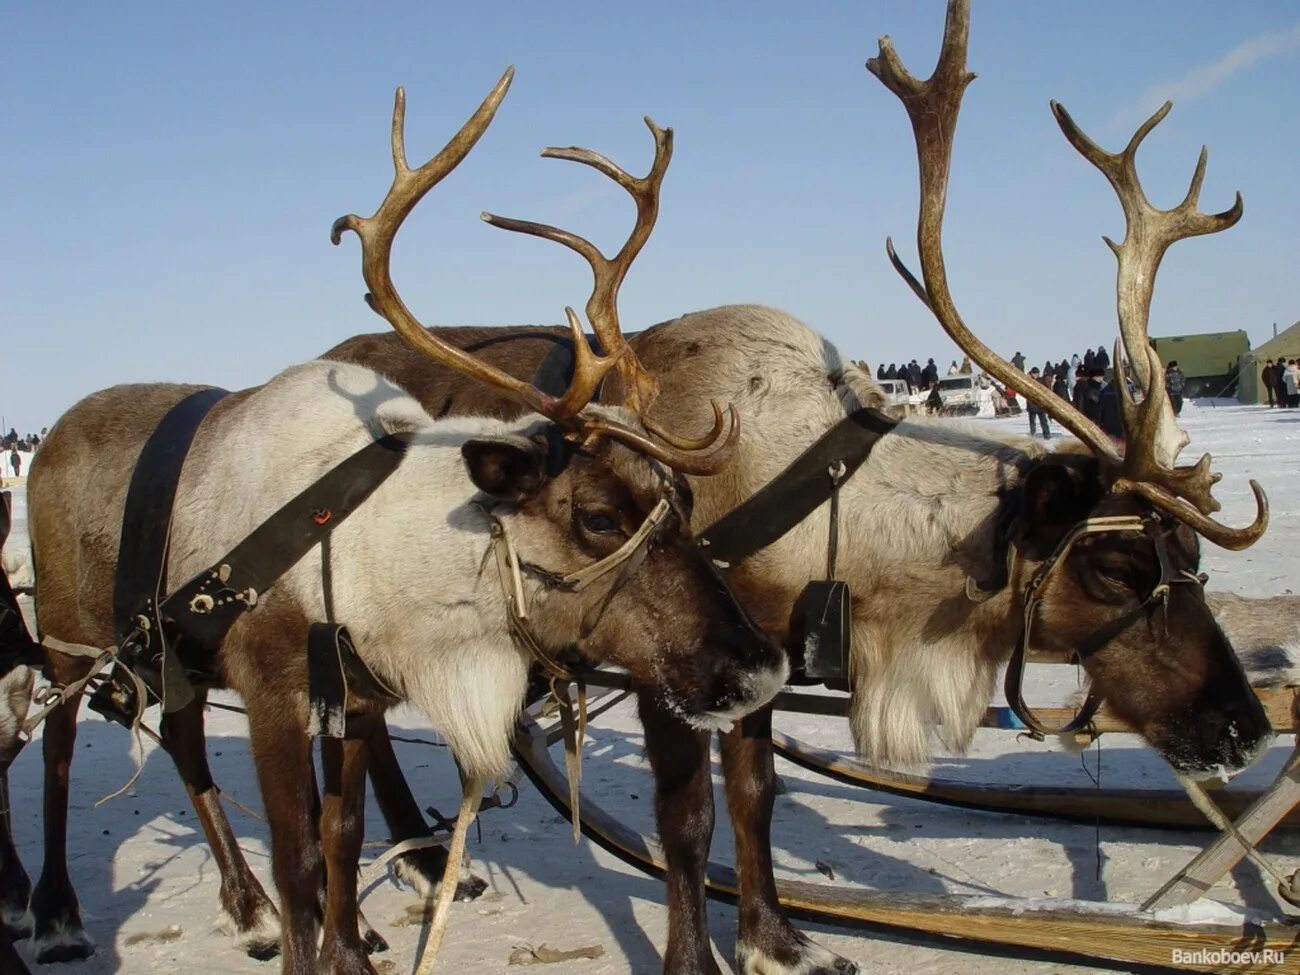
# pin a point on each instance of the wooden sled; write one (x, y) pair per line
(1163, 808)
(1095, 930)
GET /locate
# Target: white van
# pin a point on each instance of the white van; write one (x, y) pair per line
(961, 395)
(897, 400)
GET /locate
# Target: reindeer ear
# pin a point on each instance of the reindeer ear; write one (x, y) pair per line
(509, 468)
(1058, 494)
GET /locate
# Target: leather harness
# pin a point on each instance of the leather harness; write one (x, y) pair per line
(167, 640)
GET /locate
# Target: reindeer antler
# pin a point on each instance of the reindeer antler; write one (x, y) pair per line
(640, 388)
(1153, 438)
(409, 187)
(1152, 435)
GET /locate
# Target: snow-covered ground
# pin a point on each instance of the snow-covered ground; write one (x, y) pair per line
(148, 885)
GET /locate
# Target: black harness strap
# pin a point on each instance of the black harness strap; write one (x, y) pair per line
(337, 676)
(142, 551)
(798, 490)
(555, 372)
(205, 607)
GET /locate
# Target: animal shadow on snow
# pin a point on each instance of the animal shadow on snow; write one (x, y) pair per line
(118, 892)
(167, 875)
(141, 865)
(982, 857)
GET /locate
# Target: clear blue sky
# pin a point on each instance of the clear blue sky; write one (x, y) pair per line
(170, 172)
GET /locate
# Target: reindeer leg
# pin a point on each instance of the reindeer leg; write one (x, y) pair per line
(422, 869)
(282, 754)
(247, 913)
(679, 758)
(373, 940)
(768, 944)
(57, 932)
(342, 825)
(15, 888)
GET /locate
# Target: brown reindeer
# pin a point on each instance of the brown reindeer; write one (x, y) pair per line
(588, 502)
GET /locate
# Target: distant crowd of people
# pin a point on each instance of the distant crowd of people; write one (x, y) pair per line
(1281, 381)
(12, 448)
(1085, 381)
(919, 379)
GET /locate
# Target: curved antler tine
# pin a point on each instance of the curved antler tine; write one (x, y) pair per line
(589, 370)
(688, 461)
(409, 186)
(1127, 407)
(639, 387)
(1233, 539)
(1149, 232)
(690, 443)
(579, 245)
(933, 106)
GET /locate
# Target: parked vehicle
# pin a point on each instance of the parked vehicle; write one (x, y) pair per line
(897, 398)
(961, 395)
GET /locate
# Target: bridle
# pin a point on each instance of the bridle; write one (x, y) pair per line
(626, 559)
(1152, 525)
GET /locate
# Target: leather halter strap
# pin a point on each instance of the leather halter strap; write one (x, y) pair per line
(627, 557)
(797, 491)
(1013, 685)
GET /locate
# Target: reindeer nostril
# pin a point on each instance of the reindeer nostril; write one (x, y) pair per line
(721, 701)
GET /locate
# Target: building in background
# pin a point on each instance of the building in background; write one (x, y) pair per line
(1210, 360)
(1284, 345)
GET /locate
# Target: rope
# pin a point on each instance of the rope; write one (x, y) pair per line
(470, 797)
(405, 740)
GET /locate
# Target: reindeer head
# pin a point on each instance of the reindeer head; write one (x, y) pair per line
(1107, 540)
(609, 567)
(590, 508)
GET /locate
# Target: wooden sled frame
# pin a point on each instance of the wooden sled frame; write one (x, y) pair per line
(1141, 935)
(1163, 808)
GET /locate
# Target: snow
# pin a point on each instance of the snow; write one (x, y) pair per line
(148, 885)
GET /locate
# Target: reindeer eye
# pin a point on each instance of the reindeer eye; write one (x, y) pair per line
(599, 522)
(1115, 572)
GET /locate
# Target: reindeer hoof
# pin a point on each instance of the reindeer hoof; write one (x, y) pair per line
(258, 936)
(262, 950)
(808, 958)
(60, 945)
(423, 869)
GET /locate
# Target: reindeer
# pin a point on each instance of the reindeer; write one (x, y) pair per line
(583, 508)
(943, 530)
